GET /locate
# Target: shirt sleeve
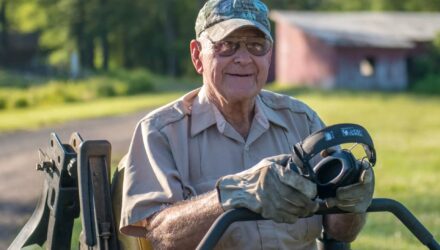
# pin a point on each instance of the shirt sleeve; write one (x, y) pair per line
(151, 179)
(316, 123)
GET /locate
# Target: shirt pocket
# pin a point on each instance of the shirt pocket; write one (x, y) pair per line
(194, 164)
(231, 239)
(306, 228)
(242, 235)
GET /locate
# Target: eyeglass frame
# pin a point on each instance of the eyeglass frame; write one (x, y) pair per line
(269, 41)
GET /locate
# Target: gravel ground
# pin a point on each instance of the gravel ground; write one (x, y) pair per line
(21, 184)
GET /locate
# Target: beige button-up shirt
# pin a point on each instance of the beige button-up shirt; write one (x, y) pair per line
(181, 149)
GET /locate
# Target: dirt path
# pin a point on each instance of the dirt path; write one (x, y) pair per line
(21, 184)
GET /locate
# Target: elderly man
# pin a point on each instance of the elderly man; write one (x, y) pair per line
(226, 145)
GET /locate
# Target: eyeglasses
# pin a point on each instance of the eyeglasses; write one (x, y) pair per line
(257, 46)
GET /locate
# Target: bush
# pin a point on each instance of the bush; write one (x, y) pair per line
(107, 87)
(58, 91)
(137, 81)
(19, 79)
(52, 93)
(105, 90)
(424, 69)
(20, 102)
(430, 84)
(3, 102)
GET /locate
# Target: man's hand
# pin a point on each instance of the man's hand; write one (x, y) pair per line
(355, 198)
(271, 189)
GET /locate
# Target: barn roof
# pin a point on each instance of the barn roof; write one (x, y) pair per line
(370, 29)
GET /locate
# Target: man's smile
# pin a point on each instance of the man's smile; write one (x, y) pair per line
(239, 74)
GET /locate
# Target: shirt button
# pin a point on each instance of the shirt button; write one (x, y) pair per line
(246, 148)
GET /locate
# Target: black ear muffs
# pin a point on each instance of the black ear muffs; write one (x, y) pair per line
(332, 136)
(340, 167)
(337, 169)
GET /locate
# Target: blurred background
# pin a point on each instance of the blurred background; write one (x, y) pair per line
(97, 66)
(73, 38)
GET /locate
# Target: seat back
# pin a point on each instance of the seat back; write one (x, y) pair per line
(126, 242)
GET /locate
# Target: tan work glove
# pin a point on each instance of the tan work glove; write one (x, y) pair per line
(355, 198)
(270, 189)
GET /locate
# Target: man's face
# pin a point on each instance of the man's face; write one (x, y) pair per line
(236, 77)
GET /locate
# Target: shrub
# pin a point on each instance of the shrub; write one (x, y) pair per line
(19, 79)
(103, 87)
(137, 81)
(105, 90)
(3, 102)
(430, 84)
(20, 102)
(425, 69)
(58, 91)
(52, 93)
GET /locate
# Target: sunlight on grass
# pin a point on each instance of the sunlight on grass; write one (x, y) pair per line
(32, 118)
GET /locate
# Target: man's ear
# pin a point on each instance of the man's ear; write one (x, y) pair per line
(195, 49)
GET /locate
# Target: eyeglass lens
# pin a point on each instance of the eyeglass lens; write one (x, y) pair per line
(257, 46)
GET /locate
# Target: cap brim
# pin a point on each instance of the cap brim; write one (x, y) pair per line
(220, 30)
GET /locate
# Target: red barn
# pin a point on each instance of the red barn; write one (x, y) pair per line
(354, 50)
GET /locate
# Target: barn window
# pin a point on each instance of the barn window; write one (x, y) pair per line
(367, 66)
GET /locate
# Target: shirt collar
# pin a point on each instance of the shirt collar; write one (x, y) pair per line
(202, 113)
(270, 114)
(205, 114)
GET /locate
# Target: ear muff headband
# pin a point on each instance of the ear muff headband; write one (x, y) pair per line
(332, 136)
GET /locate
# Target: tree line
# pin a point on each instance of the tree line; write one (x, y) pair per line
(151, 34)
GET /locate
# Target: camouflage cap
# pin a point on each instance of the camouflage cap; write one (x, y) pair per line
(221, 17)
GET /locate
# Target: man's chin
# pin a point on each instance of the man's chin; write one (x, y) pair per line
(237, 95)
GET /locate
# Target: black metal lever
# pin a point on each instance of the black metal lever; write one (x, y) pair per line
(377, 205)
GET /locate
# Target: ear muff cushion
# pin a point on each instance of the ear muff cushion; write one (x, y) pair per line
(336, 170)
(333, 167)
(339, 167)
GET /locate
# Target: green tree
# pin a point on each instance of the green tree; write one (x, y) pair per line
(152, 34)
(4, 32)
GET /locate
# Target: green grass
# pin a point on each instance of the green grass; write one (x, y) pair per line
(35, 117)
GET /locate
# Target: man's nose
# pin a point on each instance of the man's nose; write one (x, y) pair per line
(242, 55)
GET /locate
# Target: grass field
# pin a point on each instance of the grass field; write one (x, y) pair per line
(35, 117)
(405, 128)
